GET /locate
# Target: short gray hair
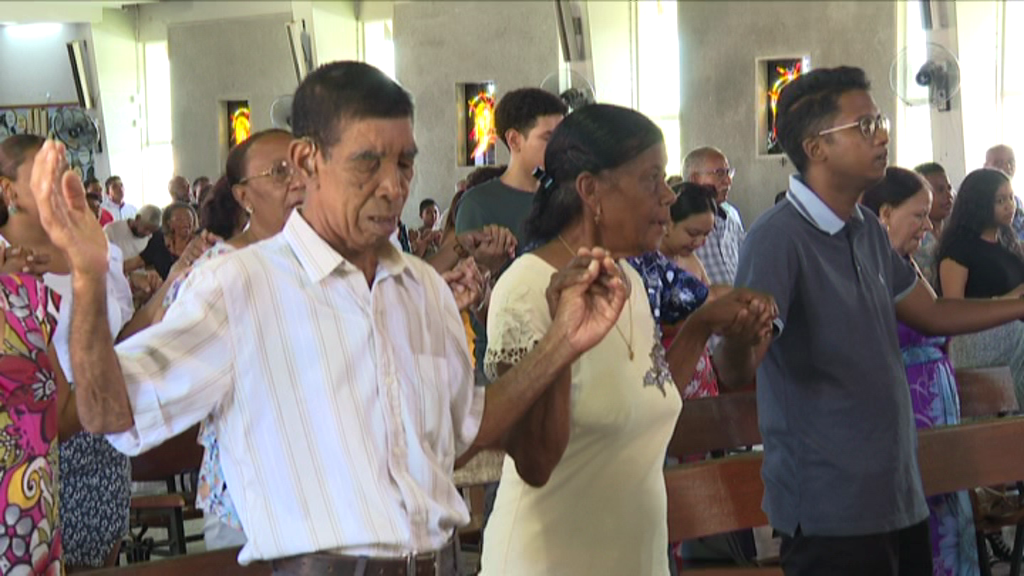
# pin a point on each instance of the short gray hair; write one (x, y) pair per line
(150, 215)
(695, 160)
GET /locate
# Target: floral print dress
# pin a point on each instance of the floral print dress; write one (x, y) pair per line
(936, 402)
(30, 536)
(674, 294)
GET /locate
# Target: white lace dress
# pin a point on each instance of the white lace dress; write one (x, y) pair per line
(603, 511)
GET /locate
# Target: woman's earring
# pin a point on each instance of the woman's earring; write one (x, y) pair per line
(597, 217)
(248, 210)
(12, 206)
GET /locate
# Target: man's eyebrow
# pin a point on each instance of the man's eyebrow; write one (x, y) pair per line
(364, 155)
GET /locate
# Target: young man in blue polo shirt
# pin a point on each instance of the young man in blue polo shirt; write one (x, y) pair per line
(841, 477)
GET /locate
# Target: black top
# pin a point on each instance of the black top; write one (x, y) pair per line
(157, 255)
(992, 270)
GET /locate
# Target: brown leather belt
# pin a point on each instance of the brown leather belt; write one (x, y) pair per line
(438, 563)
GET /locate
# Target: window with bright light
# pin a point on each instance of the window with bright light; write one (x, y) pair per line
(914, 137)
(158, 151)
(658, 73)
(1012, 125)
(379, 46)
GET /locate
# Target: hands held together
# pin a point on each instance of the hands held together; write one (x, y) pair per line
(586, 298)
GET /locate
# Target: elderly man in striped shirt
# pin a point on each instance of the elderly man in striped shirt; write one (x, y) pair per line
(335, 368)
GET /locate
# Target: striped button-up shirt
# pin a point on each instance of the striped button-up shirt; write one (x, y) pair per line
(720, 254)
(339, 408)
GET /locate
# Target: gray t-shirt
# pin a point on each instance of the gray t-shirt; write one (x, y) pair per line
(492, 202)
(832, 395)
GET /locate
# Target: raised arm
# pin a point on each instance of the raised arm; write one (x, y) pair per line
(923, 311)
(155, 385)
(101, 397)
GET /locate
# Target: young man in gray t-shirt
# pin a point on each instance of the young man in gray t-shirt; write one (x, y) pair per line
(524, 119)
(840, 470)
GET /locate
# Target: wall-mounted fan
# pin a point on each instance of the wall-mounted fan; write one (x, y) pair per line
(928, 74)
(573, 88)
(281, 113)
(80, 135)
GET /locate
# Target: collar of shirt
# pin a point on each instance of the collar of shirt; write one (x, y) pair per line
(318, 259)
(811, 207)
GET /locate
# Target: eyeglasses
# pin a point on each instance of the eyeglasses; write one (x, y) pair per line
(282, 173)
(721, 172)
(868, 125)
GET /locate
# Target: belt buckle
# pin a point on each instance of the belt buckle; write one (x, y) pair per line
(412, 557)
(410, 563)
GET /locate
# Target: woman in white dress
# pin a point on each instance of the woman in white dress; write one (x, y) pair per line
(582, 490)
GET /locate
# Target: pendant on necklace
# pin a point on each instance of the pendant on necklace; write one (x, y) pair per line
(630, 354)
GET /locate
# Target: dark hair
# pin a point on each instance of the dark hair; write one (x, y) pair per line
(693, 199)
(165, 221)
(220, 213)
(343, 91)
(483, 174)
(14, 151)
(89, 182)
(427, 204)
(449, 220)
(808, 104)
(109, 182)
(779, 197)
(929, 168)
(519, 110)
(200, 179)
(592, 139)
(974, 211)
(238, 158)
(898, 186)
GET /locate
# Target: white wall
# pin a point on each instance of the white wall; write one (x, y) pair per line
(977, 30)
(34, 70)
(335, 31)
(155, 18)
(51, 11)
(119, 98)
(720, 42)
(441, 44)
(213, 62)
(612, 30)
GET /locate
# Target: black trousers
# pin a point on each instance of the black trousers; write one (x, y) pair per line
(906, 552)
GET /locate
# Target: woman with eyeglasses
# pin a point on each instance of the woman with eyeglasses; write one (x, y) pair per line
(253, 199)
(979, 256)
(583, 491)
(902, 201)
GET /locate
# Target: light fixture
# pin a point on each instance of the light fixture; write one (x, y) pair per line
(33, 31)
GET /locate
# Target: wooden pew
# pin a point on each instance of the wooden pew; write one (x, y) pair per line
(985, 392)
(722, 495)
(219, 563)
(717, 496)
(711, 424)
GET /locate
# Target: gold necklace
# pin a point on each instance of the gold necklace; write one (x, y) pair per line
(629, 295)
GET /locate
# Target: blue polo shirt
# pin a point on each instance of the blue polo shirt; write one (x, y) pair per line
(834, 407)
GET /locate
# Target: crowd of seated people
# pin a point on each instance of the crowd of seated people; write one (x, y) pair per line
(336, 360)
